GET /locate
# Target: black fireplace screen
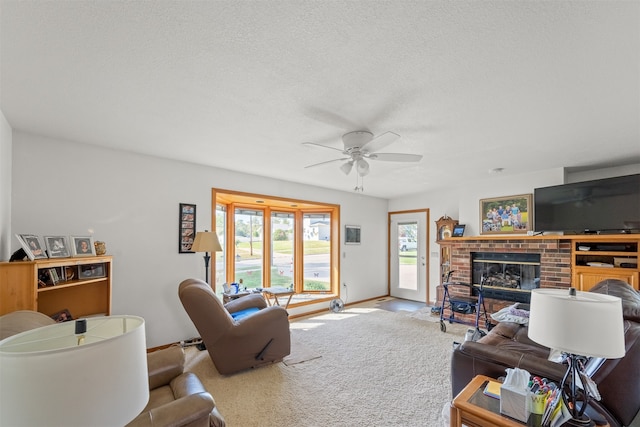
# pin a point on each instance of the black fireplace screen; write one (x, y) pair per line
(506, 275)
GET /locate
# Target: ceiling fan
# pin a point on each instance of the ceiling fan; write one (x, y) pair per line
(360, 146)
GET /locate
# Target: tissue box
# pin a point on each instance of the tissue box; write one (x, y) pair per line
(515, 403)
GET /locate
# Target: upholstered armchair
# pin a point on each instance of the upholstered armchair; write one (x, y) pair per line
(257, 338)
(176, 398)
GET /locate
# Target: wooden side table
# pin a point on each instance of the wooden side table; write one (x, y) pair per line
(473, 408)
(276, 292)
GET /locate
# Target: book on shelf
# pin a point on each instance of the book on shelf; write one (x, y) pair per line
(53, 275)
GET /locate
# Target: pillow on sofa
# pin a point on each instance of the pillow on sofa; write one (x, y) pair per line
(512, 314)
(630, 297)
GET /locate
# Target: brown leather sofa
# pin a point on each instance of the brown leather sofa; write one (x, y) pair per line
(176, 398)
(507, 345)
(254, 340)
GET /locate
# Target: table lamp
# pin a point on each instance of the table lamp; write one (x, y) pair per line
(580, 324)
(206, 241)
(53, 376)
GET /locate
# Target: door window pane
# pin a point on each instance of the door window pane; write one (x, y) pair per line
(408, 255)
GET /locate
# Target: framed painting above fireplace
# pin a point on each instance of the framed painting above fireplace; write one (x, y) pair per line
(506, 215)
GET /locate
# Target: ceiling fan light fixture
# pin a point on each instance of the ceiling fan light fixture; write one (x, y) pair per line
(362, 167)
(346, 168)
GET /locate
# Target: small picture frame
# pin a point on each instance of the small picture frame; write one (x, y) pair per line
(62, 316)
(91, 271)
(351, 234)
(458, 230)
(57, 246)
(506, 215)
(32, 246)
(82, 246)
(186, 227)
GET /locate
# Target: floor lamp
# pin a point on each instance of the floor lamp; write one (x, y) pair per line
(206, 241)
(580, 324)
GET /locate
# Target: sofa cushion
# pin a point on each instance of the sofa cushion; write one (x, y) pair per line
(513, 337)
(244, 313)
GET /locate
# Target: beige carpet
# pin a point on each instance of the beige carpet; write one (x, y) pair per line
(364, 366)
(424, 314)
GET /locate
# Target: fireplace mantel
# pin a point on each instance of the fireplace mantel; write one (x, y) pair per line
(569, 237)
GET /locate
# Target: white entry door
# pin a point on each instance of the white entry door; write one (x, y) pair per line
(408, 256)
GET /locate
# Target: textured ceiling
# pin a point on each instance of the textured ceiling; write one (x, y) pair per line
(241, 85)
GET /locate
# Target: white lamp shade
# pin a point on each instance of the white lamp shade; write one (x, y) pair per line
(346, 167)
(206, 241)
(362, 167)
(47, 379)
(585, 324)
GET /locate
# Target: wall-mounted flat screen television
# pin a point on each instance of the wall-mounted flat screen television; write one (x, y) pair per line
(605, 205)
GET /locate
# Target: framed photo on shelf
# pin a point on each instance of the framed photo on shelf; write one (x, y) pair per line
(351, 234)
(62, 316)
(91, 271)
(57, 246)
(186, 227)
(506, 215)
(82, 246)
(32, 246)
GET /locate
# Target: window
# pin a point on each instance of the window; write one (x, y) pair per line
(269, 241)
(317, 252)
(221, 227)
(248, 242)
(282, 248)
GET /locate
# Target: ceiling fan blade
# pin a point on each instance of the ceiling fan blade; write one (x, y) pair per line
(381, 141)
(330, 118)
(327, 162)
(313, 144)
(396, 157)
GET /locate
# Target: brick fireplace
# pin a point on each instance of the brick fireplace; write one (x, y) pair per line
(554, 266)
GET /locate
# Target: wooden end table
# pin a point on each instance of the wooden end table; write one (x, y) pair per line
(276, 292)
(473, 408)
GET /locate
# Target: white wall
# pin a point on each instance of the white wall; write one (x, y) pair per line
(602, 173)
(130, 201)
(5, 187)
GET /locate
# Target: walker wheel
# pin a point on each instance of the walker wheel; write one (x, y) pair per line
(443, 327)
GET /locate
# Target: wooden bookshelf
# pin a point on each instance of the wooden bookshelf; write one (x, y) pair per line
(81, 285)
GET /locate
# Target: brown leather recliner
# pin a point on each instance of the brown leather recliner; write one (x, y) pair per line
(508, 345)
(254, 340)
(176, 398)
